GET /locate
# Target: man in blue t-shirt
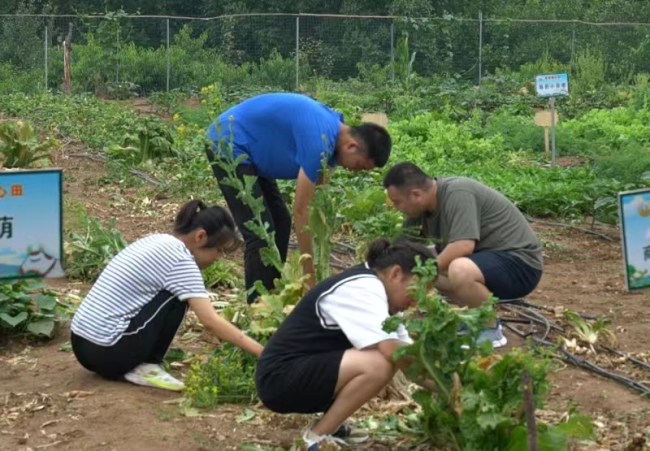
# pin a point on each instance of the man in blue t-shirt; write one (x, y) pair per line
(286, 136)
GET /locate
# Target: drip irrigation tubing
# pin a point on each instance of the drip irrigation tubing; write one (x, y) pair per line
(585, 364)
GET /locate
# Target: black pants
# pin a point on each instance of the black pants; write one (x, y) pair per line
(146, 340)
(276, 215)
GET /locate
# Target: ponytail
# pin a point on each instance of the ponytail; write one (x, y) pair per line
(217, 223)
(402, 252)
(187, 215)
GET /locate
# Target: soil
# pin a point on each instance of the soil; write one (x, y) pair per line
(48, 401)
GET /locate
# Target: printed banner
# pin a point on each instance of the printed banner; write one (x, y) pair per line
(552, 85)
(634, 213)
(31, 224)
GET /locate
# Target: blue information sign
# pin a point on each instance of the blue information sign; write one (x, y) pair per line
(552, 85)
(31, 224)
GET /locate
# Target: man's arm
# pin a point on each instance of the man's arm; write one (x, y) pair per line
(461, 212)
(452, 251)
(304, 195)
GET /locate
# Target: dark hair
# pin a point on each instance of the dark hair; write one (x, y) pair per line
(406, 175)
(216, 222)
(402, 252)
(376, 142)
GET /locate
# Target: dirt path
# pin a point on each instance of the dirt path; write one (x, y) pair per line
(47, 401)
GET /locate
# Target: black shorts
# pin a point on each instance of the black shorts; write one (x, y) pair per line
(302, 385)
(506, 276)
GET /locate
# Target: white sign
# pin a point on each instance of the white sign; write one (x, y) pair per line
(552, 85)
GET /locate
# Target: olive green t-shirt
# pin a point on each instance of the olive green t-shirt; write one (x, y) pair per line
(469, 210)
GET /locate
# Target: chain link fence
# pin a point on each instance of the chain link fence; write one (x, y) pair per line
(113, 54)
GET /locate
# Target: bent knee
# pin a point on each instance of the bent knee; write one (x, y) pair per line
(369, 362)
(463, 270)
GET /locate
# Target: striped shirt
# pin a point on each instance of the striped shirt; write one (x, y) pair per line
(131, 280)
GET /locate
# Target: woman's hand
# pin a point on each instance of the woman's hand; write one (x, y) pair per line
(222, 328)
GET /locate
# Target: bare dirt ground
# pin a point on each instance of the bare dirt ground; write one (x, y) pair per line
(48, 401)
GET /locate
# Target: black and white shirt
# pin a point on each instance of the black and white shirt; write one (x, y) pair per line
(359, 307)
(342, 312)
(132, 279)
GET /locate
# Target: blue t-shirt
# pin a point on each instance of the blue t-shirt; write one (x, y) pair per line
(280, 133)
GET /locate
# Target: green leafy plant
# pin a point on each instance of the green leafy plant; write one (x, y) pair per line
(589, 333)
(221, 273)
(477, 402)
(29, 307)
(272, 308)
(322, 222)
(88, 253)
(227, 377)
(151, 140)
(20, 147)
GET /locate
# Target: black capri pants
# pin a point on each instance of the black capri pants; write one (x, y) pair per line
(146, 340)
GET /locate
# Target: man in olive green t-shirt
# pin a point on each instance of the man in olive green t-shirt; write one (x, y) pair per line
(484, 243)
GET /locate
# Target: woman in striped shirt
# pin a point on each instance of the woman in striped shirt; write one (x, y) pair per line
(126, 323)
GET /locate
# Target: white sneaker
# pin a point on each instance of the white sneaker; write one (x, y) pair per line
(152, 375)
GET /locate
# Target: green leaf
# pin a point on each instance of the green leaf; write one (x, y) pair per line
(45, 302)
(551, 440)
(34, 286)
(547, 440)
(491, 420)
(13, 321)
(245, 416)
(66, 347)
(41, 327)
(579, 426)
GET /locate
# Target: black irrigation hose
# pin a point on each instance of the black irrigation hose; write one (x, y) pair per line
(535, 317)
(631, 359)
(521, 302)
(587, 365)
(519, 321)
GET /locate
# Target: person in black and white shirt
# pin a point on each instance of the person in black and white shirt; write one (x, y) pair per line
(126, 323)
(331, 354)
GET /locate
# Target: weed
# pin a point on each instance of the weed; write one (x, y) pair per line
(29, 307)
(88, 252)
(221, 273)
(477, 402)
(19, 145)
(227, 377)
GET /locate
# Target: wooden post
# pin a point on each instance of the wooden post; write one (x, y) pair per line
(547, 145)
(67, 50)
(546, 120)
(529, 410)
(375, 118)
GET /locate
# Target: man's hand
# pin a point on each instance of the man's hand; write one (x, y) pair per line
(304, 195)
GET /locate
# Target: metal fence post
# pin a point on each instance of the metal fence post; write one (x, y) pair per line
(480, 47)
(298, 53)
(46, 62)
(168, 56)
(117, 51)
(573, 46)
(392, 52)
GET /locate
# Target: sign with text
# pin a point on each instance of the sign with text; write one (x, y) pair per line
(31, 224)
(634, 212)
(552, 85)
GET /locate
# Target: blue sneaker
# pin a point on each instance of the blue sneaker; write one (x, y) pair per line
(348, 433)
(313, 442)
(351, 434)
(493, 334)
